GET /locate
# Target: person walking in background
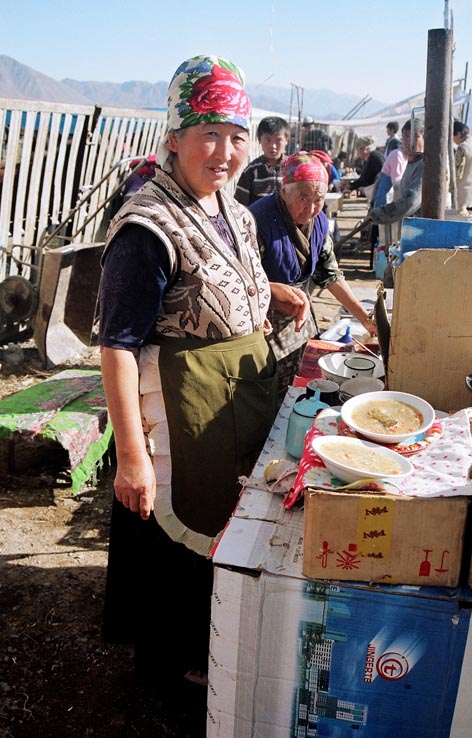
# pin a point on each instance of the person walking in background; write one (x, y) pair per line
(263, 175)
(373, 163)
(390, 177)
(326, 160)
(340, 162)
(186, 369)
(296, 249)
(408, 201)
(463, 158)
(393, 139)
(315, 138)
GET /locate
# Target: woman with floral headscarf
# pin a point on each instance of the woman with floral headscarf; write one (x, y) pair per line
(188, 375)
(296, 249)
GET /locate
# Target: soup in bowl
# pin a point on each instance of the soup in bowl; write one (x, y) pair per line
(352, 459)
(387, 416)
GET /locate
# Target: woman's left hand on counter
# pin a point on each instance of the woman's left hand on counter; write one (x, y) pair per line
(290, 301)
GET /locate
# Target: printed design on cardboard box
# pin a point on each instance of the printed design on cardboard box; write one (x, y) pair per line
(391, 655)
(392, 666)
(374, 542)
(392, 660)
(351, 558)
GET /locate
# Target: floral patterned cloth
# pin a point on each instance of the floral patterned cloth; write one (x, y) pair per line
(204, 89)
(440, 469)
(304, 167)
(69, 408)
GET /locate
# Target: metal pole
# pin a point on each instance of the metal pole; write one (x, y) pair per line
(437, 121)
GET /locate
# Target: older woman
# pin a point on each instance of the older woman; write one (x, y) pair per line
(296, 249)
(184, 358)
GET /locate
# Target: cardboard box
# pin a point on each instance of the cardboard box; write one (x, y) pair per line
(290, 657)
(297, 658)
(362, 536)
(430, 351)
(462, 720)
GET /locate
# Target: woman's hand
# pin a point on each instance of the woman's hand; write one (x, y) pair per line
(290, 301)
(343, 293)
(135, 484)
(369, 325)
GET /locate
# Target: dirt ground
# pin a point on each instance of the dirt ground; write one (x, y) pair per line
(58, 678)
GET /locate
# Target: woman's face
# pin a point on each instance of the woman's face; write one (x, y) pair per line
(418, 147)
(304, 201)
(207, 156)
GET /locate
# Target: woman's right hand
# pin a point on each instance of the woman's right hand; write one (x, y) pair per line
(135, 484)
(290, 301)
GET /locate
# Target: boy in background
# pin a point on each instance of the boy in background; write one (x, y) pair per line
(263, 175)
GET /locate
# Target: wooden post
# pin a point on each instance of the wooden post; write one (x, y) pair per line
(437, 120)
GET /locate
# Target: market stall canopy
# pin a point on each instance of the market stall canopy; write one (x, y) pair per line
(375, 125)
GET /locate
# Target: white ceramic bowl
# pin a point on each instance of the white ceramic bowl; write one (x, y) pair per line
(322, 444)
(360, 385)
(419, 404)
(332, 365)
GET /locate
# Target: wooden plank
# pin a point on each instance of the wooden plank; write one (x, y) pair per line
(20, 197)
(142, 143)
(431, 333)
(35, 180)
(73, 150)
(157, 132)
(39, 106)
(6, 204)
(46, 189)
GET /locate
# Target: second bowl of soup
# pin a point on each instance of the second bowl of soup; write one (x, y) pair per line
(387, 416)
(351, 459)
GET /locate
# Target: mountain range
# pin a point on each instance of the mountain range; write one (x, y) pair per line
(18, 81)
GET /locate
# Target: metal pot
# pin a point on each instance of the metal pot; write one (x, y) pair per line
(468, 382)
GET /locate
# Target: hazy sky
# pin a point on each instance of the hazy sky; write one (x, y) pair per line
(356, 46)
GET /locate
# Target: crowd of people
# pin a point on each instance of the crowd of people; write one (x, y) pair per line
(205, 309)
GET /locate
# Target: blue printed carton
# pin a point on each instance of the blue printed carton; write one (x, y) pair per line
(294, 658)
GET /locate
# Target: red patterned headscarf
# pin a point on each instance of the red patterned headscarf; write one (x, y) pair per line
(204, 89)
(304, 167)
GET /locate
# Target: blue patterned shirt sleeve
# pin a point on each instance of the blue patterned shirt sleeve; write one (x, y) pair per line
(135, 276)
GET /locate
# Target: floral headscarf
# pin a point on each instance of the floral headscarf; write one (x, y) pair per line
(204, 89)
(304, 167)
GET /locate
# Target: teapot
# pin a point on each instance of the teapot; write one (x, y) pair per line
(300, 421)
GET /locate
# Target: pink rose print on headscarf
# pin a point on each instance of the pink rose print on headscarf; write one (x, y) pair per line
(305, 172)
(303, 167)
(219, 92)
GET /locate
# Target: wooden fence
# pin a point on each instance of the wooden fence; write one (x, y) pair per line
(51, 156)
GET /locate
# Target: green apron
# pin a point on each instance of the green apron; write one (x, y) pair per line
(220, 401)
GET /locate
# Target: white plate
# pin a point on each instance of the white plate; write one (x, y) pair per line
(322, 444)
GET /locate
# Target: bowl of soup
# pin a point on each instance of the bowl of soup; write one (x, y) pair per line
(352, 459)
(387, 416)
